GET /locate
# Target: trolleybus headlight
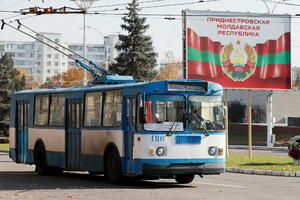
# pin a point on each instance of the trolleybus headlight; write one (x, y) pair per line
(212, 151)
(160, 151)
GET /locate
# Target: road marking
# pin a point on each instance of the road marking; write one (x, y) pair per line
(216, 184)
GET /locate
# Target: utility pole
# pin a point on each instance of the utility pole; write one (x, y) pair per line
(84, 5)
(270, 142)
(105, 48)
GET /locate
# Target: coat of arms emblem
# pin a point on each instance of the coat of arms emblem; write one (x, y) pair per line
(238, 60)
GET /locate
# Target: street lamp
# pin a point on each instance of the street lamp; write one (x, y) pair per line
(84, 5)
(270, 142)
(105, 49)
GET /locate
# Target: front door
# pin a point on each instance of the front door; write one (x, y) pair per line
(129, 131)
(73, 132)
(22, 131)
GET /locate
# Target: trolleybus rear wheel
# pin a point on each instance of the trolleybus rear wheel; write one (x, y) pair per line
(184, 178)
(113, 167)
(40, 160)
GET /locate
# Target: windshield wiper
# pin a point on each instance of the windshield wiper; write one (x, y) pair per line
(199, 120)
(176, 121)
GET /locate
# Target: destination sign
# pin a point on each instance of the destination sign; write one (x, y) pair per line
(189, 87)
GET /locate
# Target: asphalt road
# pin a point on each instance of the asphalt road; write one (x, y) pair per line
(19, 182)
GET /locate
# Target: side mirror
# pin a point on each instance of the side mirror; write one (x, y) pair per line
(142, 115)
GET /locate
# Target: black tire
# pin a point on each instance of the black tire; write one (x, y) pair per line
(55, 171)
(113, 167)
(40, 160)
(184, 178)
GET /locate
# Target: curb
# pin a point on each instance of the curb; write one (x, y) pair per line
(262, 172)
(4, 151)
(264, 148)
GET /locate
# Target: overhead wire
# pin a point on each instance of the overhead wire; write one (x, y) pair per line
(124, 4)
(19, 2)
(283, 2)
(23, 18)
(9, 11)
(11, 17)
(161, 5)
(192, 15)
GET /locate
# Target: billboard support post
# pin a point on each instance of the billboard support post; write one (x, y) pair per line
(226, 121)
(270, 143)
(250, 123)
(184, 44)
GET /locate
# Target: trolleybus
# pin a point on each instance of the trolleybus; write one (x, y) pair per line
(149, 130)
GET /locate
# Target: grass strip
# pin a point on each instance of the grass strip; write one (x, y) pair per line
(263, 162)
(4, 147)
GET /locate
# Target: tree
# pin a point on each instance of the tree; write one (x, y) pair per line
(11, 80)
(31, 81)
(136, 53)
(72, 77)
(173, 69)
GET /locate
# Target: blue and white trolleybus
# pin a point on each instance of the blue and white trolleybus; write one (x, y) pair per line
(149, 130)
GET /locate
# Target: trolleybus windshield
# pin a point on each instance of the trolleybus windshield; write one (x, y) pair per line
(206, 113)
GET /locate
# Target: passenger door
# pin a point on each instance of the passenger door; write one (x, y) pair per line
(22, 131)
(129, 131)
(73, 133)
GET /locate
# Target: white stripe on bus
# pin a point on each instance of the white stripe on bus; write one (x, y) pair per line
(94, 141)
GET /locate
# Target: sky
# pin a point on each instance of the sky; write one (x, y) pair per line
(166, 34)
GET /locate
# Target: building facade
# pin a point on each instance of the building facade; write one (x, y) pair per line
(285, 104)
(43, 62)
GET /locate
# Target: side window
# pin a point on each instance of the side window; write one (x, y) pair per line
(57, 110)
(41, 108)
(112, 108)
(93, 109)
(118, 107)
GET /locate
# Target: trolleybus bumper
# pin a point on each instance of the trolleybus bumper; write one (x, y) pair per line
(180, 168)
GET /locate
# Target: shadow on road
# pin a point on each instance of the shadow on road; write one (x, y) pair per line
(16, 180)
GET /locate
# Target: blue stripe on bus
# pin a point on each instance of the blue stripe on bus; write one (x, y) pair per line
(182, 139)
(183, 160)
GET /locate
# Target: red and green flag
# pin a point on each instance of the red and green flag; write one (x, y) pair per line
(240, 61)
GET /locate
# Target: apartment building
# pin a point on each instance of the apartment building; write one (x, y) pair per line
(44, 62)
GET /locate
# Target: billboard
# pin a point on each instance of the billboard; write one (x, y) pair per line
(238, 50)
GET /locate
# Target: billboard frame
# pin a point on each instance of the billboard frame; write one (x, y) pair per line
(233, 14)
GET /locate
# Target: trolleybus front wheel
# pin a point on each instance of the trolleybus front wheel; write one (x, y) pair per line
(184, 178)
(113, 167)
